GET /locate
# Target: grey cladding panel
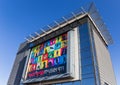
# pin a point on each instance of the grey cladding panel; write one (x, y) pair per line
(16, 73)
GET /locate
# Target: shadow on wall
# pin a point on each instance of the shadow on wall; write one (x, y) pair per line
(20, 71)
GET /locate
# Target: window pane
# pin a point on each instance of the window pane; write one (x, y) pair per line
(84, 40)
(68, 83)
(86, 48)
(90, 75)
(89, 81)
(85, 36)
(85, 44)
(86, 61)
(76, 83)
(84, 29)
(87, 69)
(86, 54)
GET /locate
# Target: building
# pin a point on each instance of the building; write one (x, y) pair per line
(72, 51)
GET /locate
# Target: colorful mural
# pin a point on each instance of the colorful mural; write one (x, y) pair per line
(48, 58)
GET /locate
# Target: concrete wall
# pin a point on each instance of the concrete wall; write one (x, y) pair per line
(104, 61)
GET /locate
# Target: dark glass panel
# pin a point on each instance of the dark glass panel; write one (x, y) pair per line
(86, 61)
(87, 69)
(89, 81)
(76, 83)
(67, 83)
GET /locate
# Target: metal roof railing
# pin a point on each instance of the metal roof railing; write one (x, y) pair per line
(94, 14)
(89, 9)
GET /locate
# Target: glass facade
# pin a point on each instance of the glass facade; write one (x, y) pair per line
(86, 56)
(87, 67)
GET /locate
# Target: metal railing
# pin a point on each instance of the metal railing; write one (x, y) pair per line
(89, 9)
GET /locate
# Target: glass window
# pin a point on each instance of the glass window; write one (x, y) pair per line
(68, 83)
(84, 35)
(87, 69)
(84, 29)
(76, 83)
(86, 61)
(90, 75)
(87, 48)
(85, 54)
(85, 44)
(84, 40)
(89, 81)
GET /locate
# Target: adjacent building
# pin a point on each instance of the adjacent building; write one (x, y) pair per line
(72, 51)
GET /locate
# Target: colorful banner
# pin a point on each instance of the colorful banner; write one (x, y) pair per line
(48, 58)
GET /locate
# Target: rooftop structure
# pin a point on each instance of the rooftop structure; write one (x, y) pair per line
(89, 10)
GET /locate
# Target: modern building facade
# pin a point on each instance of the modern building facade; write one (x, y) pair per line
(72, 51)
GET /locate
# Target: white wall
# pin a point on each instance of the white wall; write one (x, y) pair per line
(104, 61)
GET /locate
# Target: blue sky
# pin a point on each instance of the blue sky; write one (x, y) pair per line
(19, 18)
